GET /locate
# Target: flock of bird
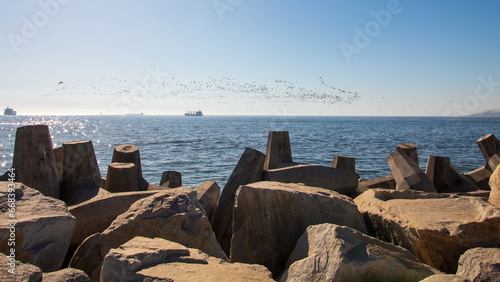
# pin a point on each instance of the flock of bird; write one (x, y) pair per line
(222, 89)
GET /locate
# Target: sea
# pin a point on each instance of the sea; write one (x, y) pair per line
(208, 147)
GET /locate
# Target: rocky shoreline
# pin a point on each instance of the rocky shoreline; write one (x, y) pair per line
(273, 220)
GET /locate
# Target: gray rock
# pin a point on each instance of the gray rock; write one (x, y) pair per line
(329, 252)
(43, 229)
(480, 264)
(146, 259)
(269, 218)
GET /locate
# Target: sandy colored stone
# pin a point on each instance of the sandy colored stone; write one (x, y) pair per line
(23, 272)
(495, 187)
(43, 229)
(208, 196)
(444, 278)
(436, 228)
(269, 218)
(158, 259)
(96, 214)
(340, 180)
(408, 174)
(66, 275)
(329, 252)
(174, 215)
(248, 170)
(480, 264)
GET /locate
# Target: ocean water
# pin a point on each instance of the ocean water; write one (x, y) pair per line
(208, 147)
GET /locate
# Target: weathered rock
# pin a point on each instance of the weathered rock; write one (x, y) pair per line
(480, 264)
(444, 278)
(269, 218)
(344, 162)
(130, 154)
(445, 177)
(208, 196)
(407, 173)
(386, 182)
(81, 178)
(43, 228)
(495, 188)
(121, 177)
(146, 259)
(340, 180)
(97, 214)
(278, 149)
(66, 275)
(58, 157)
(436, 228)
(479, 177)
(34, 160)
(248, 170)
(438, 170)
(14, 270)
(489, 146)
(171, 179)
(329, 252)
(408, 149)
(494, 161)
(174, 215)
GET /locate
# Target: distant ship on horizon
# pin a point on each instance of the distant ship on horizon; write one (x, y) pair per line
(135, 114)
(9, 112)
(194, 114)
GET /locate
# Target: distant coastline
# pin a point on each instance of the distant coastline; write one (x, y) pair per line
(487, 113)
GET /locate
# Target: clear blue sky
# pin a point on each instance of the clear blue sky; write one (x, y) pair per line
(250, 57)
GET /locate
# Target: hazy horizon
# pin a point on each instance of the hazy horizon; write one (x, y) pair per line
(294, 58)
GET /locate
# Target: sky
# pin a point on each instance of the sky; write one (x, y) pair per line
(241, 57)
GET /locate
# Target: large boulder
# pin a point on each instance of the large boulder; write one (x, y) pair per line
(248, 170)
(341, 180)
(495, 187)
(174, 215)
(436, 228)
(14, 270)
(66, 275)
(208, 196)
(480, 264)
(269, 218)
(97, 214)
(155, 259)
(38, 227)
(329, 252)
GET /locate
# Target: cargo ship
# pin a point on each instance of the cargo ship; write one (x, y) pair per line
(194, 114)
(9, 112)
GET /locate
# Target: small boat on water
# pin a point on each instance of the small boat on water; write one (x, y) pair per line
(194, 114)
(134, 114)
(9, 112)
